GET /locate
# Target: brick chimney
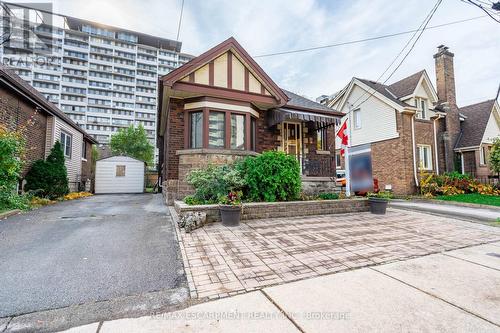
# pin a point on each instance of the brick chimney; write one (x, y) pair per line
(445, 84)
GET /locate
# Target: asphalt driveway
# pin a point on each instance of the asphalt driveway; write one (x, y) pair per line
(85, 251)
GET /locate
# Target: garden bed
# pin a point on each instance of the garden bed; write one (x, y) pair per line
(265, 210)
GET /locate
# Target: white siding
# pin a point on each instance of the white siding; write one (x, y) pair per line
(378, 120)
(73, 163)
(492, 129)
(106, 180)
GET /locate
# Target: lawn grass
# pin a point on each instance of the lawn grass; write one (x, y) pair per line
(475, 198)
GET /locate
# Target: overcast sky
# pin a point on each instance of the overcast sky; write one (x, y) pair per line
(277, 25)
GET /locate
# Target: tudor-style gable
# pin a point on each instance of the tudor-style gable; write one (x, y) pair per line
(225, 71)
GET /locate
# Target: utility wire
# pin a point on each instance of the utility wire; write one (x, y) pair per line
(180, 20)
(425, 23)
(365, 39)
(470, 2)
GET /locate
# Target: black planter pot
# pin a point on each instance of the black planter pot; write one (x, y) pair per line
(378, 205)
(230, 215)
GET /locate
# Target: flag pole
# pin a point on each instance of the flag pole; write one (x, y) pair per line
(346, 155)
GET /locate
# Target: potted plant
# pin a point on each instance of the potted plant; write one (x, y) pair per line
(230, 208)
(378, 202)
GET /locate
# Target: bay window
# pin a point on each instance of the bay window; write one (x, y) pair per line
(216, 129)
(196, 129)
(220, 130)
(237, 131)
(253, 133)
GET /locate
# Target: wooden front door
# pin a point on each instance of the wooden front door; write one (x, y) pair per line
(292, 140)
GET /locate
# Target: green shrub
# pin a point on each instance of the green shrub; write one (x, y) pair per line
(328, 196)
(271, 176)
(11, 152)
(212, 182)
(49, 178)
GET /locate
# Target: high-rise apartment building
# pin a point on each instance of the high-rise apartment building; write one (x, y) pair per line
(105, 78)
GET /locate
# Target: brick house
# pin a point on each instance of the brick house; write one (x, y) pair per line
(221, 106)
(411, 127)
(20, 102)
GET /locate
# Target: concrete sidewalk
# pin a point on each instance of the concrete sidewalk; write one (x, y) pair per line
(467, 212)
(455, 291)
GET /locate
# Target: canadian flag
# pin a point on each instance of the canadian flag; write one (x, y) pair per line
(343, 137)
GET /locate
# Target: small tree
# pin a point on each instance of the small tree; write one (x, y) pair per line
(495, 156)
(133, 141)
(49, 178)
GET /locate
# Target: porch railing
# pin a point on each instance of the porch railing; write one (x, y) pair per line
(318, 168)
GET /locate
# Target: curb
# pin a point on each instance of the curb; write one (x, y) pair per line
(8, 213)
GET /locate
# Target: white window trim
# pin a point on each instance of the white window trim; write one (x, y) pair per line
(482, 156)
(422, 113)
(429, 157)
(357, 114)
(63, 144)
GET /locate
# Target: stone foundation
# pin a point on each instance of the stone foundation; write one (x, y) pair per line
(266, 210)
(319, 185)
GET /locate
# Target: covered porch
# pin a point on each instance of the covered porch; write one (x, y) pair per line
(310, 137)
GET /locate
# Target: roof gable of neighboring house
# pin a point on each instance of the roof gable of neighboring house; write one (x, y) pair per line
(227, 66)
(24, 88)
(474, 126)
(372, 89)
(398, 93)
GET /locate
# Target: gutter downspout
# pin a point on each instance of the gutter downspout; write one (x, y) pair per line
(413, 148)
(435, 144)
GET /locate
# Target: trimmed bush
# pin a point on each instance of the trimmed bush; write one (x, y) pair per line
(49, 178)
(214, 182)
(271, 176)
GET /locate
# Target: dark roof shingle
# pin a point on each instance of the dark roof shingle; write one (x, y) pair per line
(383, 89)
(406, 86)
(474, 125)
(302, 102)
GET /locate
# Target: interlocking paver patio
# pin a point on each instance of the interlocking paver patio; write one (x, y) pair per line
(222, 261)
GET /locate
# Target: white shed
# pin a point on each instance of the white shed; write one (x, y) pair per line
(119, 174)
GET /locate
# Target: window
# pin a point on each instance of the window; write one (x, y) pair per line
(237, 131)
(253, 132)
(338, 162)
(66, 144)
(357, 119)
(421, 105)
(84, 150)
(216, 129)
(482, 155)
(321, 140)
(425, 157)
(226, 130)
(196, 129)
(120, 171)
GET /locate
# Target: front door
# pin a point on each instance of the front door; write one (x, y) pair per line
(292, 140)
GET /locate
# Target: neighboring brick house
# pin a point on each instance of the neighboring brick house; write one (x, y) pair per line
(19, 102)
(479, 127)
(410, 127)
(222, 105)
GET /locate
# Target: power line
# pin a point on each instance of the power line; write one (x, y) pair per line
(425, 23)
(180, 20)
(365, 39)
(470, 2)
